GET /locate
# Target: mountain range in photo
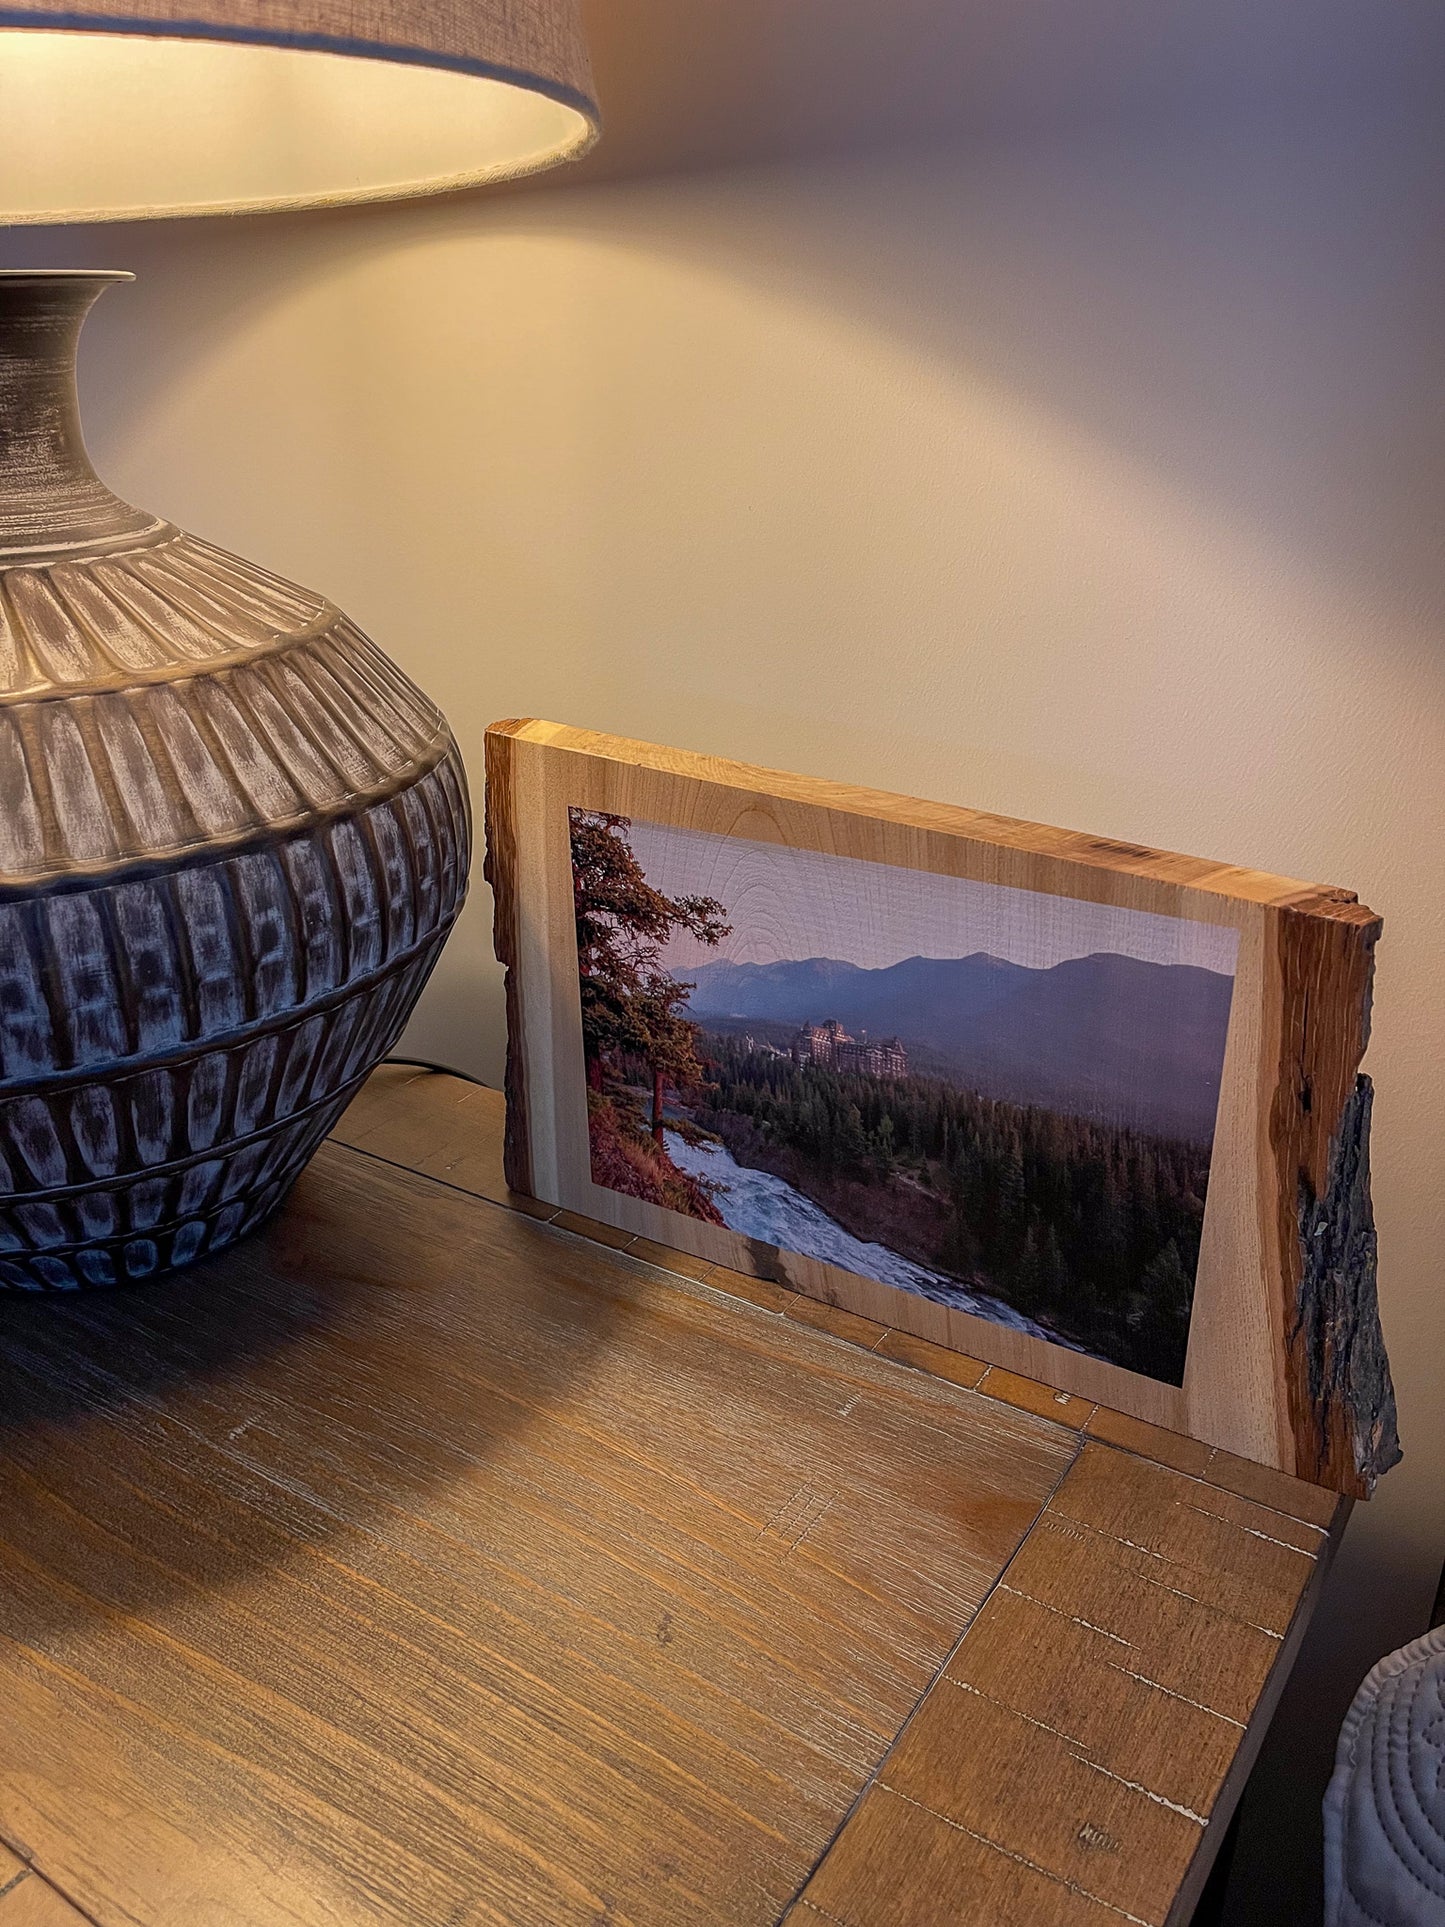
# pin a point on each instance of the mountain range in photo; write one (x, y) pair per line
(1107, 1036)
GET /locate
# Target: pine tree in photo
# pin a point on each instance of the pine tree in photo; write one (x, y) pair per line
(632, 1010)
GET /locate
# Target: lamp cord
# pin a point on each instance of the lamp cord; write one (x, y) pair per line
(442, 1070)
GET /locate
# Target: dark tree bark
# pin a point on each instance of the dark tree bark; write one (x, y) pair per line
(1338, 1320)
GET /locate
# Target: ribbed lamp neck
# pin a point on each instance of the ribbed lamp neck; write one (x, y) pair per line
(51, 499)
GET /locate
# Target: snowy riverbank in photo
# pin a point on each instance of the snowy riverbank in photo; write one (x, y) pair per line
(761, 1205)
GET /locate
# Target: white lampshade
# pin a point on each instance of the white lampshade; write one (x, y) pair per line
(121, 109)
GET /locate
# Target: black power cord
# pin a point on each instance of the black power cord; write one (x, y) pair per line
(442, 1070)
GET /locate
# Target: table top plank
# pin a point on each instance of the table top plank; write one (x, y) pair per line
(421, 1561)
(31, 1903)
(1186, 1646)
(907, 1867)
(1099, 1711)
(1084, 1683)
(1005, 1776)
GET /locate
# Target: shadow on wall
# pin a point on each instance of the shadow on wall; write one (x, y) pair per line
(759, 80)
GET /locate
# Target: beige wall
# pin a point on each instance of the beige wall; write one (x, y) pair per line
(1095, 482)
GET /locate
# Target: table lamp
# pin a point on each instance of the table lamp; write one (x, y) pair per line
(233, 836)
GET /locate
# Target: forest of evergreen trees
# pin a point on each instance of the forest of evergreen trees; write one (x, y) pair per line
(1090, 1228)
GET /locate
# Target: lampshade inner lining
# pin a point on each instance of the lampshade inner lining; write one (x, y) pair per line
(115, 126)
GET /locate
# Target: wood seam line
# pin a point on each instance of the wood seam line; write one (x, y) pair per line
(14, 1881)
(1016, 1592)
(79, 1911)
(34, 1873)
(1202, 1478)
(875, 1778)
(1135, 1545)
(1322, 1533)
(1079, 1751)
(22, 1859)
(1011, 1853)
(1254, 1532)
(1263, 1505)
(1173, 1565)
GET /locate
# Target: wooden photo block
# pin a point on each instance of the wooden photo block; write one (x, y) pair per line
(1089, 1112)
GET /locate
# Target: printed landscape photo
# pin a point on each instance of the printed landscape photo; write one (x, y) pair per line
(1000, 1099)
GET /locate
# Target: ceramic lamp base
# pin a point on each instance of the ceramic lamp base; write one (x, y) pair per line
(233, 840)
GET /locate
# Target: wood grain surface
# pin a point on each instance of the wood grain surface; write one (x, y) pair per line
(1285, 1362)
(32, 1902)
(454, 1131)
(422, 1562)
(425, 1562)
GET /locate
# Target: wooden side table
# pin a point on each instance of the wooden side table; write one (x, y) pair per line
(427, 1561)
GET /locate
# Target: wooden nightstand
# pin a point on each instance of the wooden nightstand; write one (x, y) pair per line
(425, 1561)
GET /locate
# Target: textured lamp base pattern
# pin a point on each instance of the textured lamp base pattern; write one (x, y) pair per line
(233, 839)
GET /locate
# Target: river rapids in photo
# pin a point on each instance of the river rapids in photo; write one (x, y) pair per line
(759, 1205)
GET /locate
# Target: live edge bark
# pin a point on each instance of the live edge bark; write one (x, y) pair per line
(1337, 1315)
(1342, 1400)
(500, 871)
